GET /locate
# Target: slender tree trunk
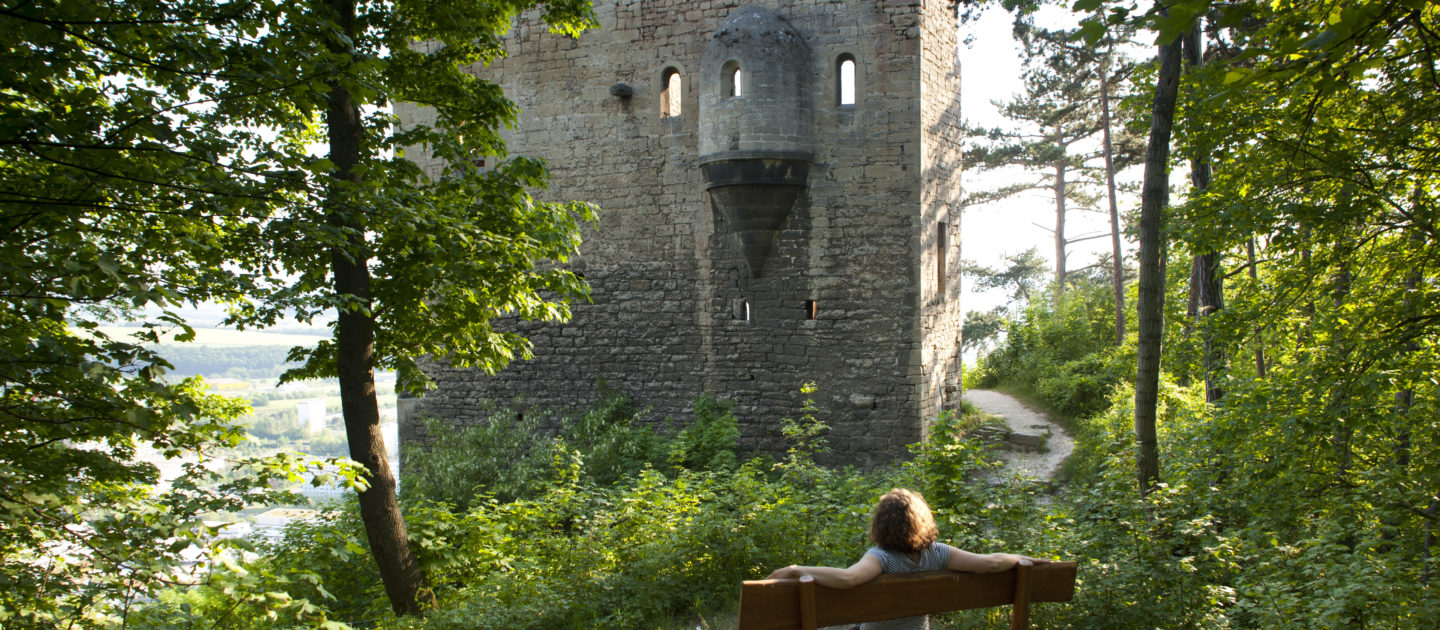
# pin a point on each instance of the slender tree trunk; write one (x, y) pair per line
(1209, 289)
(1425, 561)
(1059, 219)
(355, 349)
(1340, 395)
(1405, 398)
(1117, 257)
(1150, 306)
(1307, 309)
(1259, 330)
(1192, 314)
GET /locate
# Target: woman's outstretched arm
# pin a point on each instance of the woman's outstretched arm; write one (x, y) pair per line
(859, 573)
(961, 560)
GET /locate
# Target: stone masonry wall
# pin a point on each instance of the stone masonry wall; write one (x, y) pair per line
(943, 136)
(671, 290)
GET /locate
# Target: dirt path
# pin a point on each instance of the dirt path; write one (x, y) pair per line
(1024, 420)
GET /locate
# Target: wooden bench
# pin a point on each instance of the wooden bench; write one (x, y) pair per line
(801, 604)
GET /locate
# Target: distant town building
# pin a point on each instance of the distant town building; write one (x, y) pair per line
(311, 415)
(779, 193)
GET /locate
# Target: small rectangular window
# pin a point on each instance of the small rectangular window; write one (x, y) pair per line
(812, 309)
(740, 309)
(941, 246)
(846, 80)
(670, 95)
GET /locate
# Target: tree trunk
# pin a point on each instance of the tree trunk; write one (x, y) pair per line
(1209, 288)
(1307, 309)
(1340, 394)
(1118, 272)
(1150, 306)
(355, 349)
(1259, 330)
(1059, 219)
(1430, 515)
(1405, 398)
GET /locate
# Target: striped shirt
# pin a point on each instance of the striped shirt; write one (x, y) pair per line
(933, 558)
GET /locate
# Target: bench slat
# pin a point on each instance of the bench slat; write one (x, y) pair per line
(775, 604)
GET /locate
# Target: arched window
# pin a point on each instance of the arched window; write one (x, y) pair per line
(732, 77)
(845, 79)
(670, 95)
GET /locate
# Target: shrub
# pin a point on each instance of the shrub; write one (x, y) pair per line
(711, 440)
(508, 456)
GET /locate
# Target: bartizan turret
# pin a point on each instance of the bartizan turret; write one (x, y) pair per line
(756, 119)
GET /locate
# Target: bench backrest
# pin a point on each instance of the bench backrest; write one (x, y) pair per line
(803, 605)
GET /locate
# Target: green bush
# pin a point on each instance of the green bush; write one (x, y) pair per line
(711, 439)
(508, 456)
(1237, 536)
(613, 440)
(1066, 357)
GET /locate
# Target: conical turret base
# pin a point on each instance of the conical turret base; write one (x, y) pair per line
(755, 196)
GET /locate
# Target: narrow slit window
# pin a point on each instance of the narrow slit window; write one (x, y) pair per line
(941, 245)
(812, 309)
(670, 96)
(845, 80)
(733, 79)
(740, 309)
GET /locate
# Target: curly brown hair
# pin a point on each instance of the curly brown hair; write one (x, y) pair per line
(902, 522)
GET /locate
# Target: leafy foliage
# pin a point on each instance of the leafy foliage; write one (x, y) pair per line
(982, 329)
(657, 545)
(511, 456)
(805, 435)
(1064, 356)
(1023, 275)
(156, 154)
(710, 440)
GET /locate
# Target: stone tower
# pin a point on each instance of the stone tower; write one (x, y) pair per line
(779, 188)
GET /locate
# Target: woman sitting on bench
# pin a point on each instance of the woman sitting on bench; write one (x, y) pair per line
(904, 533)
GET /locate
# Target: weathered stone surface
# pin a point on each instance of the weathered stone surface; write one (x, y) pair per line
(1027, 440)
(871, 246)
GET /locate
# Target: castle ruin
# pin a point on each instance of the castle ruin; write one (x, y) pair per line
(779, 188)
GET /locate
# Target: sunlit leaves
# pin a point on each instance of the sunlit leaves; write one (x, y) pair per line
(154, 154)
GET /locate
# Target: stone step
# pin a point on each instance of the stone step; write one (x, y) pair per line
(1031, 439)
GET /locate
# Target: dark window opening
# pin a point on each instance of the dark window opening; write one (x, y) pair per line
(740, 309)
(812, 309)
(941, 245)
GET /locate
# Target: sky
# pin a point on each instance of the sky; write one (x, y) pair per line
(990, 70)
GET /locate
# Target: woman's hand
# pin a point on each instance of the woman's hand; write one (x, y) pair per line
(785, 573)
(859, 573)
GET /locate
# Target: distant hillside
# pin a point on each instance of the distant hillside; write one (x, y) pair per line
(219, 352)
(228, 337)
